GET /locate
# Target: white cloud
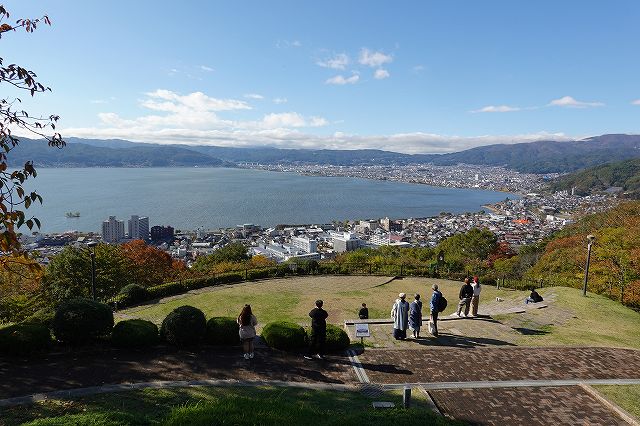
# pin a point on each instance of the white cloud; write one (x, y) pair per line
(499, 108)
(337, 62)
(253, 96)
(636, 102)
(284, 44)
(280, 101)
(206, 68)
(285, 119)
(373, 59)
(341, 80)
(381, 74)
(166, 100)
(569, 102)
(418, 69)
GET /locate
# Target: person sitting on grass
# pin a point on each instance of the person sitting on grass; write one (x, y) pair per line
(534, 297)
(364, 312)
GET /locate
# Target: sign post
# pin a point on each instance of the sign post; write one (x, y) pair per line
(362, 331)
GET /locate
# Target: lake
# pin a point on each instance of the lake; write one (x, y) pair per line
(190, 198)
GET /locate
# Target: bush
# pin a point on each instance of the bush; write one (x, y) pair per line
(196, 283)
(283, 335)
(24, 339)
(222, 331)
(231, 277)
(134, 333)
(132, 294)
(258, 274)
(43, 316)
(14, 308)
(337, 338)
(82, 320)
(165, 290)
(184, 326)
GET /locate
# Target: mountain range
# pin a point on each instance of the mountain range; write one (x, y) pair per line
(531, 157)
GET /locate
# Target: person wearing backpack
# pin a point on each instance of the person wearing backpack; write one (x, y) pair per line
(435, 305)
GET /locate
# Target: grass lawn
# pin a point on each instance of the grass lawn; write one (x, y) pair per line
(224, 406)
(593, 320)
(626, 397)
(291, 299)
(570, 320)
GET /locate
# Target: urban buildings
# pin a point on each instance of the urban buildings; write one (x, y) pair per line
(112, 230)
(138, 228)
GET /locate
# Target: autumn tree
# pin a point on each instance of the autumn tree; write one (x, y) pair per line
(14, 200)
(151, 266)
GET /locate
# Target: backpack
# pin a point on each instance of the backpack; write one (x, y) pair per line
(442, 304)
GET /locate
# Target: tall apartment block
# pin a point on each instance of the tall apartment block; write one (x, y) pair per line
(139, 228)
(112, 230)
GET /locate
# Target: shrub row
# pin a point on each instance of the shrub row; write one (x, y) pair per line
(288, 336)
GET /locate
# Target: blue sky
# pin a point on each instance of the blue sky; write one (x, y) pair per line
(409, 76)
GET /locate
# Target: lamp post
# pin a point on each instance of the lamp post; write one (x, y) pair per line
(590, 240)
(92, 252)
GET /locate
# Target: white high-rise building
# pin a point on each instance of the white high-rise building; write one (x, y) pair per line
(112, 230)
(305, 244)
(139, 228)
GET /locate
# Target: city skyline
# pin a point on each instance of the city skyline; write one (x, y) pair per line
(426, 77)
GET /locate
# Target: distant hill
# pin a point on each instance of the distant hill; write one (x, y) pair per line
(624, 174)
(533, 157)
(131, 154)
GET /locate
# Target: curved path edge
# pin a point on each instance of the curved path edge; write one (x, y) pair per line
(94, 390)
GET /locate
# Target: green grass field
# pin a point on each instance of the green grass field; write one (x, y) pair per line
(224, 406)
(626, 397)
(291, 299)
(569, 320)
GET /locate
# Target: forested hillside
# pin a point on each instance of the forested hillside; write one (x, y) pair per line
(624, 174)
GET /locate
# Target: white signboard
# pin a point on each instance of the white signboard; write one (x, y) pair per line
(362, 330)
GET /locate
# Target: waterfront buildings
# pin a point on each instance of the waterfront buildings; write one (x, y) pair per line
(138, 228)
(112, 230)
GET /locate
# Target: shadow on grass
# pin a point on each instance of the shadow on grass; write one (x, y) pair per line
(456, 341)
(531, 331)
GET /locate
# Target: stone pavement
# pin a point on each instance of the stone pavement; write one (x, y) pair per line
(569, 405)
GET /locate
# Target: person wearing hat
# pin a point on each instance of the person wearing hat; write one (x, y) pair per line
(318, 331)
(400, 315)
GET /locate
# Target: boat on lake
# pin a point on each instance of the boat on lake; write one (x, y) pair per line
(72, 214)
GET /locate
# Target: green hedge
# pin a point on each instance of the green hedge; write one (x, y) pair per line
(222, 331)
(337, 339)
(258, 274)
(134, 333)
(184, 326)
(231, 277)
(132, 294)
(82, 320)
(24, 339)
(284, 335)
(42, 316)
(166, 290)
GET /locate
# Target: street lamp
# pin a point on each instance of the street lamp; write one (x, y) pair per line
(590, 240)
(92, 252)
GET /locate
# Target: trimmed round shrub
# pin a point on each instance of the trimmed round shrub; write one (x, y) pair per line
(24, 339)
(134, 333)
(82, 320)
(132, 294)
(222, 331)
(283, 335)
(337, 338)
(184, 326)
(42, 316)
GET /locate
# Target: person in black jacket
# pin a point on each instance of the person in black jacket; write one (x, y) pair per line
(318, 331)
(466, 293)
(364, 312)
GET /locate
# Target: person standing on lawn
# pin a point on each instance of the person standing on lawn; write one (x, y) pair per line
(318, 331)
(475, 299)
(466, 293)
(415, 316)
(434, 305)
(400, 315)
(247, 322)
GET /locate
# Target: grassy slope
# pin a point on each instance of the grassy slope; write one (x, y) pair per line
(292, 299)
(597, 321)
(627, 397)
(271, 406)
